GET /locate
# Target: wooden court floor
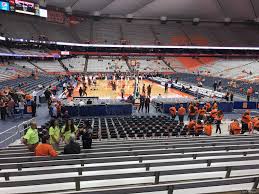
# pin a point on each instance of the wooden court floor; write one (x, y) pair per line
(103, 90)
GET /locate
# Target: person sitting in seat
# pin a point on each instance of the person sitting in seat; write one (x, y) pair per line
(44, 148)
(72, 147)
(234, 127)
(31, 138)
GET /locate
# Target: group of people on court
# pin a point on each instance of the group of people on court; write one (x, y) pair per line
(201, 119)
(51, 141)
(144, 98)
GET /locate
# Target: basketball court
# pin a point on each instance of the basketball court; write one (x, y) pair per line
(103, 90)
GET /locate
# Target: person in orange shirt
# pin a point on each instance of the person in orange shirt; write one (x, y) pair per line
(199, 128)
(234, 127)
(192, 112)
(191, 125)
(208, 128)
(45, 149)
(213, 114)
(201, 113)
(256, 123)
(181, 113)
(208, 106)
(218, 119)
(246, 118)
(172, 111)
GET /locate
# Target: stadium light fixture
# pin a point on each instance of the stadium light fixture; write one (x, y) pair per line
(227, 20)
(163, 19)
(129, 17)
(196, 21)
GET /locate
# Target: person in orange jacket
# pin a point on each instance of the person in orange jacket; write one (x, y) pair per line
(208, 128)
(213, 114)
(256, 123)
(219, 117)
(192, 112)
(201, 113)
(199, 128)
(246, 118)
(191, 125)
(45, 149)
(181, 113)
(234, 127)
(172, 111)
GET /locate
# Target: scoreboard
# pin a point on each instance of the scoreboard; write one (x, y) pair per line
(24, 7)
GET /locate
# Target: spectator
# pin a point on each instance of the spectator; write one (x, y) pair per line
(31, 138)
(256, 123)
(192, 112)
(21, 107)
(141, 103)
(147, 104)
(218, 119)
(72, 147)
(86, 133)
(246, 119)
(201, 113)
(149, 91)
(191, 125)
(173, 111)
(234, 127)
(215, 85)
(213, 115)
(208, 128)
(66, 115)
(68, 130)
(166, 87)
(3, 109)
(44, 148)
(10, 107)
(199, 128)
(54, 133)
(122, 93)
(181, 113)
(81, 91)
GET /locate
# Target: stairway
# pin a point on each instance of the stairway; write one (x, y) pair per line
(63, 65)
(168, 65)
(43, 70)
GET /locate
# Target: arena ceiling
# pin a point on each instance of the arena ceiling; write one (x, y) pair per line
(172, 9)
